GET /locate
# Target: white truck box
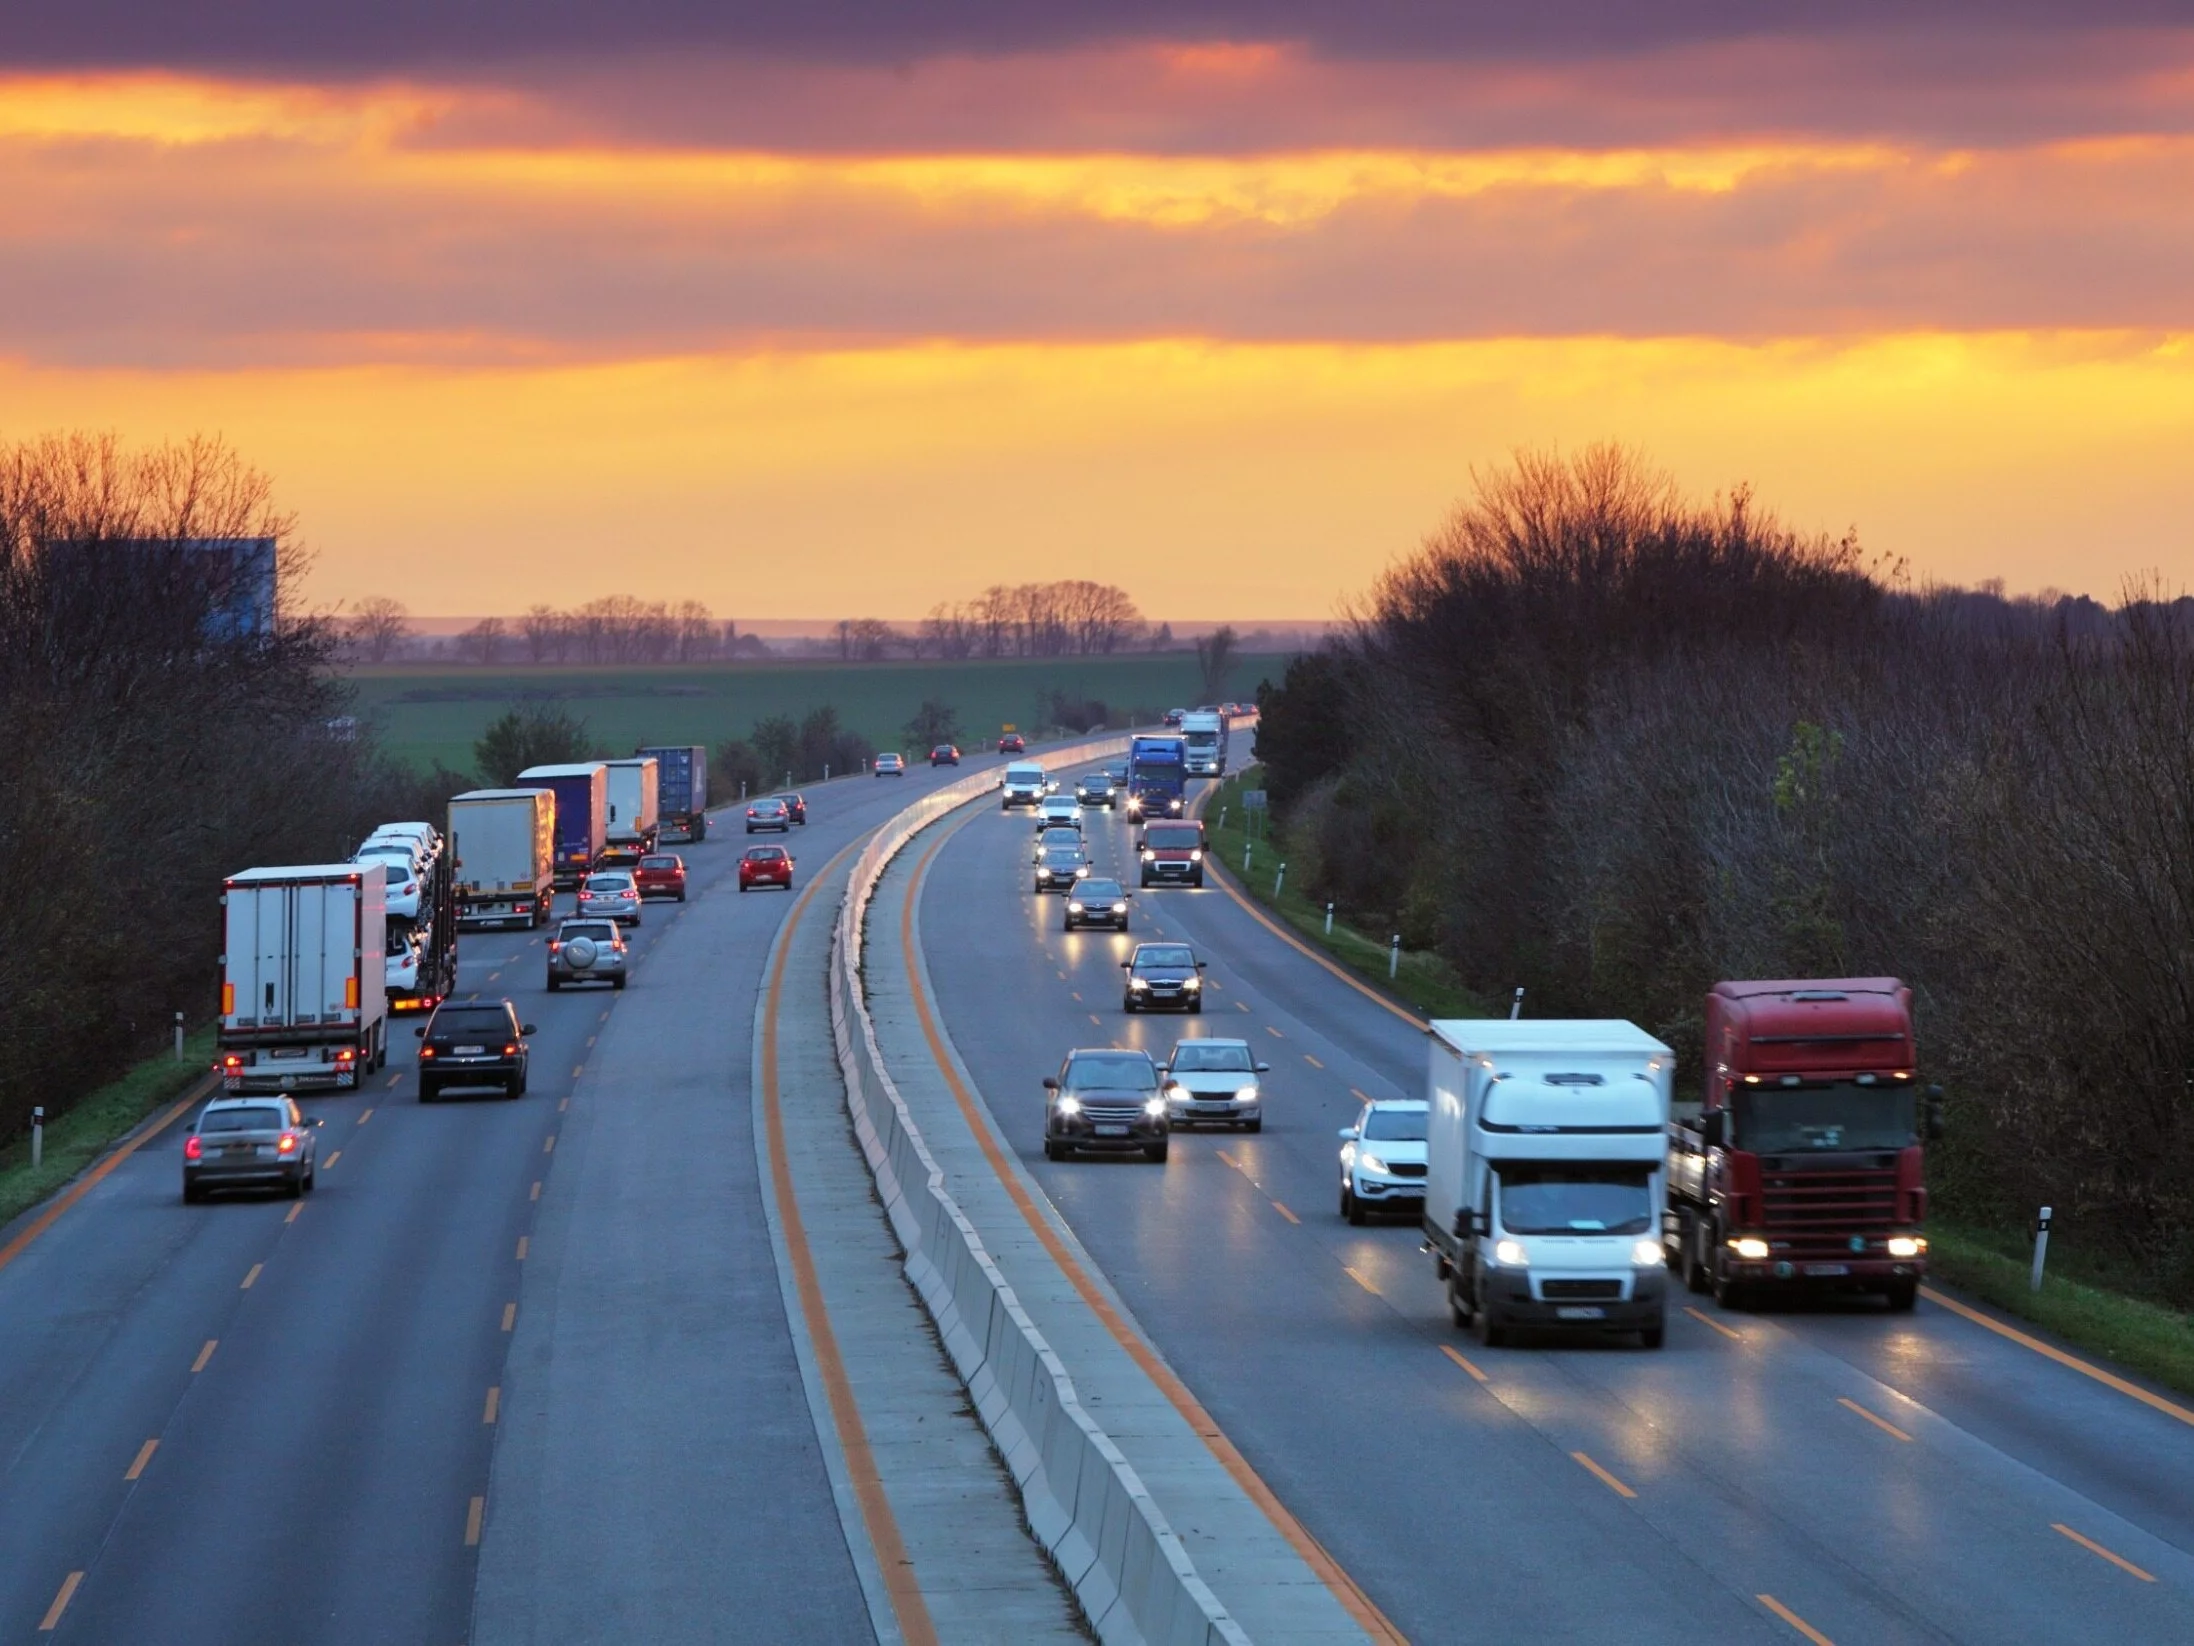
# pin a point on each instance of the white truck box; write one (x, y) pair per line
(304, 1000)
(502, 852)
(1204, 743)
(635, 793)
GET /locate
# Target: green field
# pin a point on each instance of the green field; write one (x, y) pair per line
(424, 713)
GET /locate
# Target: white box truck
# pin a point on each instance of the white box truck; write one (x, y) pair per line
(502, 855)
(635, 792)
(304, 999)
(1546, 1143)
(1204, 743)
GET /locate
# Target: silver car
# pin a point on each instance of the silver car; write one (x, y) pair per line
(251, 1143)
(587, 951)
(613, 895)
(1214, 1082)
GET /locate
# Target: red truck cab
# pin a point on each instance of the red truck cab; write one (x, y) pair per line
(1803, 1169)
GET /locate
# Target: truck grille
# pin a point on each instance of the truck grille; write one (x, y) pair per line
(1822, 1210)
(1598, 1291)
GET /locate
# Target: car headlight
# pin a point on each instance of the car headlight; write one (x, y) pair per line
(1906, 1245)
(1192, 982)
(1074, 905)
(1510, 1254)
(1178, 1092)
(1647, 1254)
(1155, 1108)
(1750, 1247)
(1081, 872)
(1196, 857)
(1373, 1163)
(1137, 984)
(1248, 1094)
(1069, 1103)
(1119, 908)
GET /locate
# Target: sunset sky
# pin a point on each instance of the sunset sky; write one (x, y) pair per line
(843, 309)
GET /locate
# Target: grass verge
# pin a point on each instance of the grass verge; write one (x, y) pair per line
(1993, 1266)
(1424, 980)
(88, 1130)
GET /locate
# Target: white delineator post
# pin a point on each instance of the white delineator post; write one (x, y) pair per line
(37, 1138)
(1329, 920)
(178, 1037)
(2041, 1250)
(1277, 881)
(1394, 958)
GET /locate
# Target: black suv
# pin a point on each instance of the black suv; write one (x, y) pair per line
(477, 1044)
(1105, 1098)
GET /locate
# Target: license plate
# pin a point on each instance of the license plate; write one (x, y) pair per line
(1112, 1131)
(240, 1148)
(468, 1051)
(1828, 1268)
(1581, 1311)
(286, 1051)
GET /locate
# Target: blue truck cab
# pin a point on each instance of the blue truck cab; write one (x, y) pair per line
(1157, 779)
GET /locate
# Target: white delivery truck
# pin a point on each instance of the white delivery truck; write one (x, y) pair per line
(635, 793)
(502, 855)
(304, 999)
(1204, 743)
(1546, 1143)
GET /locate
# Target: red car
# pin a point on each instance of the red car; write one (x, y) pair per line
(765, 866)
(1013, 743)
(796, 808)
(661, 874)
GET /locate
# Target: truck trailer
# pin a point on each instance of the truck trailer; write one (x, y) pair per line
(1156, 777)
(1545, 1144)
(1801, 1169)
(502, 856)
(582, 813)
(682, 791)
(634, 799)
(304, 1003)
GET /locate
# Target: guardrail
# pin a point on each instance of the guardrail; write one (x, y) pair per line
(1084, 1501)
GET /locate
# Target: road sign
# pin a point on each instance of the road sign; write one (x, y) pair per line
(1253, 800)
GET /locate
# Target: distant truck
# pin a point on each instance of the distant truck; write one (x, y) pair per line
(1803, 1168)
(634, 787)
(682, 792)
(1204, 742)
(1156, 777)
(421, 971)
(582, 813)
(502, 856)
(304, 1003)
(1543, 1164)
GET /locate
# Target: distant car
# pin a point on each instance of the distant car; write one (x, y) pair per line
(1172, 852)
(587, 951)
(1095, 790)
(425, 836)
(944, 755)
(770, 812)
(251, 1143)
(1056, 809)
(620, 854)
(1383, 1159)
(407, 876)
(1163, 977)
(613, 895)
(1013, 743)
(891, 765)
(1174, 716)
(1117, 773)
(473, 1043)
(661, 874)
(1057, 836)
(1214, 1083)
(1060, 867)
(796, 806)
(1097, 902)
(765, 866)
(1104, 1098)
(1024, 784)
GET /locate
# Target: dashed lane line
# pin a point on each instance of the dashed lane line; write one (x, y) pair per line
(1794, 1620)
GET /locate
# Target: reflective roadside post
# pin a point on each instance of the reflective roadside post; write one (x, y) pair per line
(1329, 920)
(37, 1138)
(1249, 849)
(1394, 958)
(2041, 1250)
(178, 1037)
(1277, 880)
(826, 771)
(1222, 817)
(1516, 1006)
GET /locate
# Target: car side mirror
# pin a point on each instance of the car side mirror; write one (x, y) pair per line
(1481, 1223)
(1349, 1133)
(1201, 964)
(1125, 964)
(1264, 1068)
(527, 1028)
(1051, 1083)
(420, 1032)
(1713, 1128)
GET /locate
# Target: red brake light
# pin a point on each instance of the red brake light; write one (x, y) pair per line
(288, 1143)
(510, 1051)
(426, 1051)
(556, 948)
(192, 1148)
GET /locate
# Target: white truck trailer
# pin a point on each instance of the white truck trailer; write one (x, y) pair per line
(1204, 743)
(1546, 1146)
(304, 999)
(635, 796)
(502, 855)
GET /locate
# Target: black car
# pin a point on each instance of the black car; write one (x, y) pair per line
(944, 755)
(1095, 790)
(1163, 977)
(1105, 1098)
(1097, 903)
(479, 1043)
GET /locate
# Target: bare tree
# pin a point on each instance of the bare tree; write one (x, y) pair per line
(1215, 661)
(547, 634)
(377, 627)
(483, 642)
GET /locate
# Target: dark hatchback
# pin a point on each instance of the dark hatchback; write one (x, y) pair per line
(1163, 977)
(1105, 1099)
(474, 1044)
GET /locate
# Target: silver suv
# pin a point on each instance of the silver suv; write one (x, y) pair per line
(587, 951)
(251, 1143)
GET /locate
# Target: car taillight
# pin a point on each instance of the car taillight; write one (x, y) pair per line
(556, 948)
(288, 1143)
(192, 1148)
(510, 1051)
(426, 1052)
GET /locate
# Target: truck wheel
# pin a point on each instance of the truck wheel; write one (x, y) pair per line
(1458, 1302)
(1698, 1276)
(1728, 1293)
(1198, 882)
(1491, 1333)
(1902, 1295)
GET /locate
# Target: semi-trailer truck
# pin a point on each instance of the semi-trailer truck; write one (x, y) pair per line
(1544, 1154)
(1156, 777)
(421, 971)
(1204, 742)
(502, 856)
(634, 790)
(1802, 1166)
(682, 791)
(304, 1003)
(582, 813)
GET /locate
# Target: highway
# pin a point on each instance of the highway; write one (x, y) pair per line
(1837, 1475)
(268, 1421)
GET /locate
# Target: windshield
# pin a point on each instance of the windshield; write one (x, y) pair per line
(1394, 1126)
(1101, 891)
(658, 863)
(472, 1020)
(1164, 954)
(1054, 856)
(1201, 738)
(763, 808)
(766, 854)
(1579, 1199)
(1024, 774)
(600, 930)
(1783, 1119)
(1132, 1070)
(1162, 837)
(241, 1120)
(1193, 1057)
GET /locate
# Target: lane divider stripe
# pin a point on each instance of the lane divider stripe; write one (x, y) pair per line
(2093, 1547)
(2051, 1351)
(1794, 1620)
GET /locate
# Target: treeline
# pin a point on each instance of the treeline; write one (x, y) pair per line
(1074, 617)
(616, 628)
(1612, 744)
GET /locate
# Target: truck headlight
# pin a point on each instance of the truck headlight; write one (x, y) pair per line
(1149, 855)
(1749, 1247)
(1647, 1254)
(1906, 1245)
(1196, 857)
(1510, 1254)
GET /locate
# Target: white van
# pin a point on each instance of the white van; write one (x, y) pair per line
(1024, 784)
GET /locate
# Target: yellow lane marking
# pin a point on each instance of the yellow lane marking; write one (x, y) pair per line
(291, 1215)
(144, 1456)
(1312, 1061)
(205, 1354)
(90, 1180)
(248, 1279)
(536, 1195)
(1729, 1332)
(1460, 1361)
(1606, 1479)
(510, 1316)
(2106, 1379)
(548, 1144)
(575, 1068)
(1241, 1005)
(1229, 1159)
(2093, 1547)
(495, 1402)
(1881, 1423)
(1284, 1212)
(522, 1243)
(61, 1601)
(473, 1512)
(494, 976)
(364, 1115)
(1357, 1275)
(1275, 1033)
(605, 1017)
(907, 1603)
(1077, 993)
(329, 1163)
(396, 1080)
(1353, 1600)
(562, 1104)
(590, 1040)
(1794, 1620)
(1094, 1018)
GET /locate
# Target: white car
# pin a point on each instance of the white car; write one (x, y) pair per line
(891, 765)
(609, 894)
(1024, 784)
(1059, 811)
(424, 836)
(1214, 1083)
(1383, 1159)
(407, 952)
(407, 876)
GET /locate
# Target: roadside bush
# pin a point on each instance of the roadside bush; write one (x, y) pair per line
(528, 735)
